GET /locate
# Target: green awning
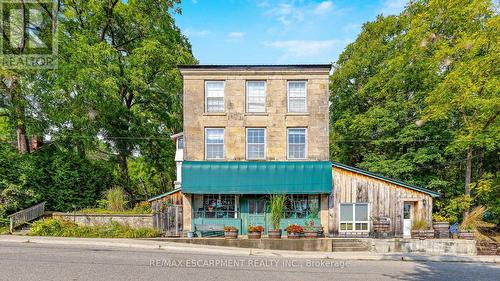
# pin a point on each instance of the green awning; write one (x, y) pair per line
(211, 177)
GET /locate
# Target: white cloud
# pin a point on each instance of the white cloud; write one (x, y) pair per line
(190, 32)
(293, 12)
(304, 49)
(323, 7)
(236, 35)
(393, 7)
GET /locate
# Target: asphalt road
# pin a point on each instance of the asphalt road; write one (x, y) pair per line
(28, 261)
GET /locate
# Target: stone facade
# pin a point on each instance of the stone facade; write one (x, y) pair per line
(276, 119)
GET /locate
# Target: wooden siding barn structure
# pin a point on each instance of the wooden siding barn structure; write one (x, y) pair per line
(373, 196)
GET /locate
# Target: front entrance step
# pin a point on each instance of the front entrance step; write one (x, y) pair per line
(349, 245)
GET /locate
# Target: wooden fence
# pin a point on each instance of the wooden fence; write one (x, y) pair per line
(26, 215)
(167, 219)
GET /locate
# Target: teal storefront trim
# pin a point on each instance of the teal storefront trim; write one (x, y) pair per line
(244, 177)
(226, 222)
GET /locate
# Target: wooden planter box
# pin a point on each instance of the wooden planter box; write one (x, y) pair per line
(293, 235)
(310, 234)
(231, 234)
(274, 233)
(441, 229)
(381, 228)
(254, 235)
(422, 234)
(466, 235)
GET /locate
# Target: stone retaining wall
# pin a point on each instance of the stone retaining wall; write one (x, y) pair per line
(133, 220)
(427, 246)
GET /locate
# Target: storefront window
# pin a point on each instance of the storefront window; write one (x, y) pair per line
(354, 217)
(302, 206)
(217, 206)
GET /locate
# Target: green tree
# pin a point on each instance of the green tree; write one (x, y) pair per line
(399, 92)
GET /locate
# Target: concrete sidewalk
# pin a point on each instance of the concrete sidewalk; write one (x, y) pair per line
(190, 248)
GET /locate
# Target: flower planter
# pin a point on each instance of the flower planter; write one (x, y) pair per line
(293, 235)
(232, 234)
(310, 234)
(469, 235)
(254, 235)
(274, 233)
(441, 229)
(422, 234)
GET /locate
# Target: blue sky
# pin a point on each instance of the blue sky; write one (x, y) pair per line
(276, 31)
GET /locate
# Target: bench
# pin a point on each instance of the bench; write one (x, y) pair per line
(209, 230)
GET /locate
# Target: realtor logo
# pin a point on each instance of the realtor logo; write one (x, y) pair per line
(29, 34)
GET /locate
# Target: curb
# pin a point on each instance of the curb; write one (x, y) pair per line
(218, 250)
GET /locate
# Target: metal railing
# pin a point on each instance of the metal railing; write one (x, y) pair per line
(26, 215)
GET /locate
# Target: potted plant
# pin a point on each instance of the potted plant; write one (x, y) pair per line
(230, 232)
(310, 230)
(441, 226)
(294, 231)
(420, 229)
(255, 231)
(277, 205)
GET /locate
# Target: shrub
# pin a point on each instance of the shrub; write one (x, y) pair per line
(142, 207)
(294, 228)
(115, 199)
(54, 227)
(440, 218)
(419, 224)
(475, 220)
(255, 228)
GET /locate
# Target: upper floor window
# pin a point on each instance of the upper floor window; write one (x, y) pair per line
(296, 143)
(214, 96)
(214, 143)
(180, 143)
(256, 143)
(297, 96)
(256, 96)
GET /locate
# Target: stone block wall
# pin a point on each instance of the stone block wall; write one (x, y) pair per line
(133, 220)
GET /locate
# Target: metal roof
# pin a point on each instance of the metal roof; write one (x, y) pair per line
(396, 182)
(164, 194)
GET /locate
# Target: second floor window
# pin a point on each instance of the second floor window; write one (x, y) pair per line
(214, 96)
(297, 96)
(256, 96)
(256, 143)
(296, 143)
(214, 143)
(180, 143)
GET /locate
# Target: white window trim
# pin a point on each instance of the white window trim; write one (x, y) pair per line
(354, 221)
(223, 144)
(265, 96)
(288, 143)
(265, 144)
(223, 96)
(288, 95)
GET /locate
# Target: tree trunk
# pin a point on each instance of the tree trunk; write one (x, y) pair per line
(20, 119)
(468, 172)
(124, 178)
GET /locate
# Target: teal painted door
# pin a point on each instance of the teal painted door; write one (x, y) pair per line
(253, 213)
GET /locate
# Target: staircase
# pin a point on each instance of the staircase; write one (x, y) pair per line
(349, 245)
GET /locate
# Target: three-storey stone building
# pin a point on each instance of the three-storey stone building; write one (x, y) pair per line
(252, 131)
